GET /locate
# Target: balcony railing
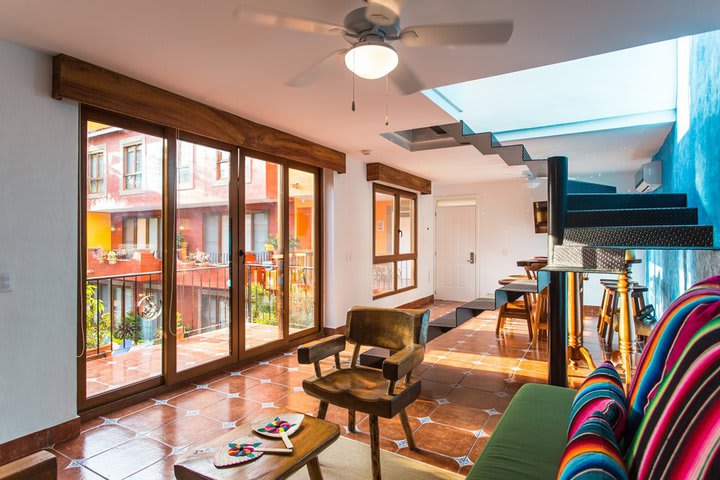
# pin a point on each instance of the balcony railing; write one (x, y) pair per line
(125, 310)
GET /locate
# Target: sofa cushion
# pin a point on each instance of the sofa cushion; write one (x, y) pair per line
(600, 389)
(530, 438)
(679, 436)
(661, 342)
(593, 451)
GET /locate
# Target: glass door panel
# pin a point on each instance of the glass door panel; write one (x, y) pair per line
(123, 266)
(202, 275)
(303, 254)
(264, 247)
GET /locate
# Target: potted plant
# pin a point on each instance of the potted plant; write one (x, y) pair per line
(97, 323)
(202, 259)
(112, 257)
(129, 332)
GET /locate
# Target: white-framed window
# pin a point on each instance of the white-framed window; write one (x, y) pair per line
(97, 171)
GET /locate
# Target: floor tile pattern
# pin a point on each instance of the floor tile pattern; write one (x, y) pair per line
(468, 379)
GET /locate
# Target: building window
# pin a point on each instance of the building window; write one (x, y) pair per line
(141, 233)
(132, 166)
(96, 172)
(185, 165)
(394, 240)
(216, 237)
(222, 171)
(257, 232)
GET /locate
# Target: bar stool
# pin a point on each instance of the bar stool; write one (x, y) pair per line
(519, 309)
(607, 325)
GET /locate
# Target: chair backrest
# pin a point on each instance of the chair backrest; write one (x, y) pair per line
(389, 328)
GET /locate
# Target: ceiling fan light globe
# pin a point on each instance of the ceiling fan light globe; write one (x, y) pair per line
(371, 60)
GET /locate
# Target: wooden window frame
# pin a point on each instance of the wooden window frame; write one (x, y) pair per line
(396, 257)
(171, 377)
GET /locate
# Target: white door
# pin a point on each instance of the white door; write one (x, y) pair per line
(455, 251)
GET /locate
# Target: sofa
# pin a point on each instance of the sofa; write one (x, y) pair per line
(530, 439)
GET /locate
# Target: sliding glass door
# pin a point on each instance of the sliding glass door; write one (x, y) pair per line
(206, 184)
(121, 329)
(195, 255)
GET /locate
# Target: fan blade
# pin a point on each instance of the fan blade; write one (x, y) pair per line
(405, 79)
(383, 12)
(269, 18)
(457, 34)
(314, 72)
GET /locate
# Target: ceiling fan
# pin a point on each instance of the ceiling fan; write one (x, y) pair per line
(371, 30)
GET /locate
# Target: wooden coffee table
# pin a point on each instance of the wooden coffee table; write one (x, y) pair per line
(313, 436)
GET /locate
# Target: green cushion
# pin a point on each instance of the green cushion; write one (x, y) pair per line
(530, 438)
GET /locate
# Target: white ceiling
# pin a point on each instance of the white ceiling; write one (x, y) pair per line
(198, 50)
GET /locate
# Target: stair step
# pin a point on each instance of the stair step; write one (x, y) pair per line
(615, 201)
(587, 259)
(578, 186)
(632, 217)
(672, 236)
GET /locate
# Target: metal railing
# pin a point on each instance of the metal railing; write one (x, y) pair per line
(125, 310)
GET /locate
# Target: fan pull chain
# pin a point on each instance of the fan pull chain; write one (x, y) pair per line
(353, 83)
(387, 118)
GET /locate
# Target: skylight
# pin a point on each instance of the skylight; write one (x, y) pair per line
(634, 86)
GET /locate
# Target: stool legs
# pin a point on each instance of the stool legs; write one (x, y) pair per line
(626, 329)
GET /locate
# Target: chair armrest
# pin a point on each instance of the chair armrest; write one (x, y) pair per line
(401, 363)
(315, 351)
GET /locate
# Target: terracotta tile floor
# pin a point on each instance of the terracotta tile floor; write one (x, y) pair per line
(469, 378)
(141, 363)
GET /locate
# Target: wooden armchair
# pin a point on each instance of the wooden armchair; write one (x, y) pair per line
(379, 393)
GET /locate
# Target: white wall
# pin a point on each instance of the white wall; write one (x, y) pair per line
(38, 244)
(348, 245)
(506, 233)
(505, 229)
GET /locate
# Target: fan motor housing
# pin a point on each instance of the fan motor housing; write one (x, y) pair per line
(357, 21)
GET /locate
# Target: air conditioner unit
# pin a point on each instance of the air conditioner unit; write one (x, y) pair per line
(649, 177)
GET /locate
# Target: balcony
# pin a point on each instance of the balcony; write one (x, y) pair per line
(124, 314)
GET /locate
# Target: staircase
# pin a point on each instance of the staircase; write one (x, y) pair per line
(599, 227)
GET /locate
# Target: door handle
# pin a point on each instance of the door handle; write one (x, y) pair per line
(472, 257)
(241, 254)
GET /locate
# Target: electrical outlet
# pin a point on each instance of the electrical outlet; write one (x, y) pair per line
(7, 282)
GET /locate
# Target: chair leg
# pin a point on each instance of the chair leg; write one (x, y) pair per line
(408, 431)
(322, 411)
(499, 321)
(351, 421)
(375, 447)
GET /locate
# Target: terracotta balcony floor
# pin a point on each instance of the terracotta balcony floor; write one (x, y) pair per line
(141, 363)
(468, 379)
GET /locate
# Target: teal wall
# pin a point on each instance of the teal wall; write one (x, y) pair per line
(691, 164)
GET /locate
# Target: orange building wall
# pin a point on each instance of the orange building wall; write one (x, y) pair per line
(98, 230)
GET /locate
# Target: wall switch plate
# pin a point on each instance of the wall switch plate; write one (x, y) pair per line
(7, 282)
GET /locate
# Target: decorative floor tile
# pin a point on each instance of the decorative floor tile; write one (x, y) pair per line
(451, 423)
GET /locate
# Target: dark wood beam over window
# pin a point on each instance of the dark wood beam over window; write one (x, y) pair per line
(379, 172)
(95, 86)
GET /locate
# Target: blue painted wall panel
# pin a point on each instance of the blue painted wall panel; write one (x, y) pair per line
(691, 164)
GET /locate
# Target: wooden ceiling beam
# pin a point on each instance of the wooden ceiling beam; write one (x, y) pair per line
(89, 84)
(379, 172)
